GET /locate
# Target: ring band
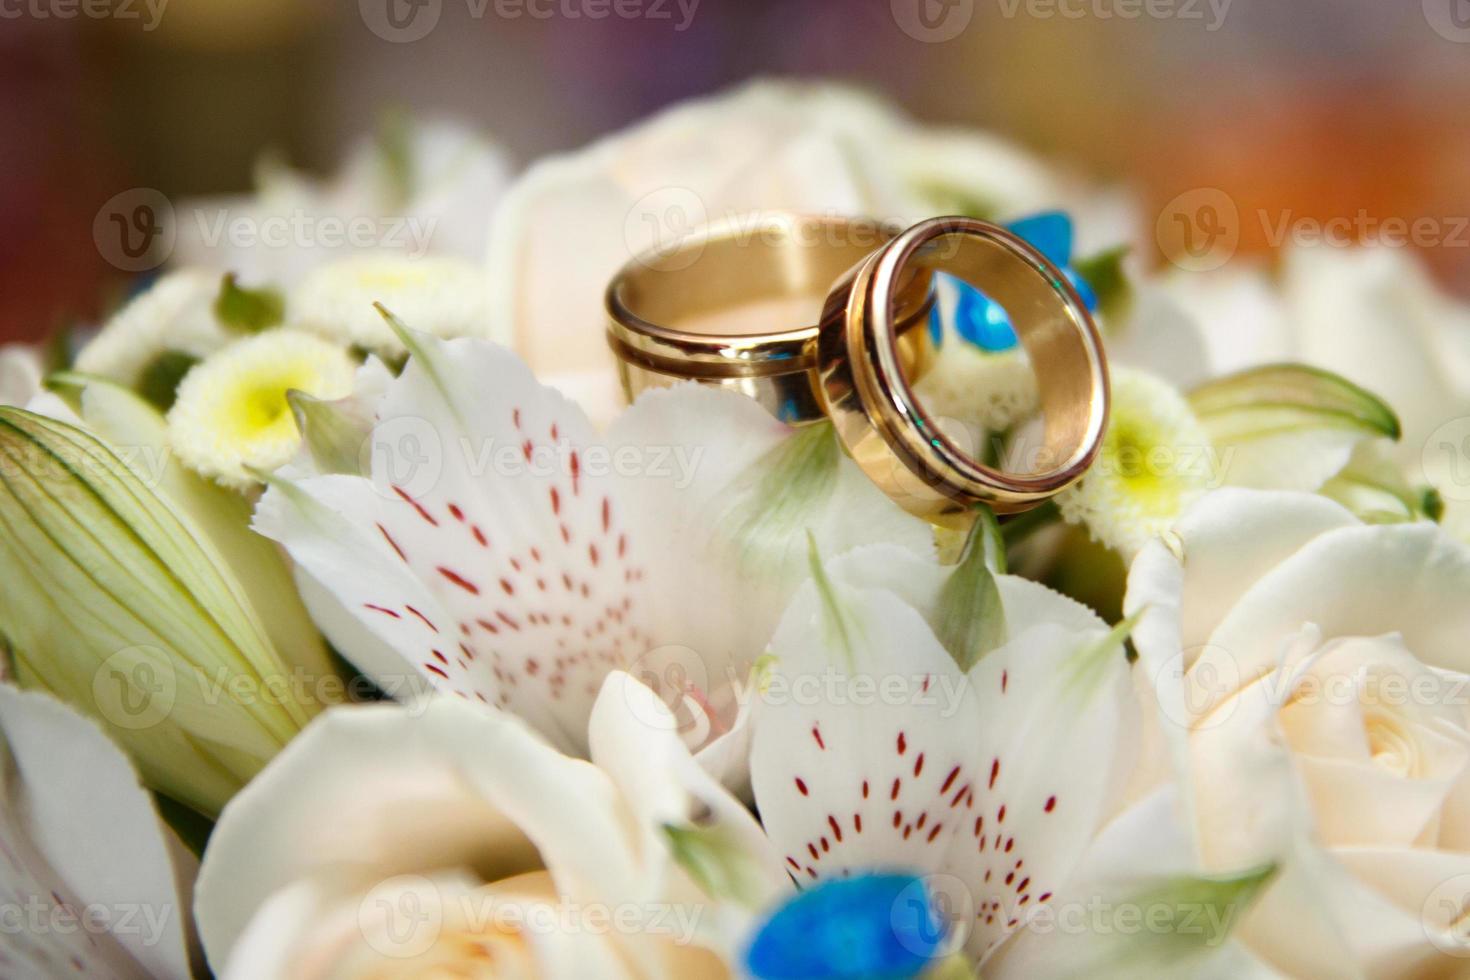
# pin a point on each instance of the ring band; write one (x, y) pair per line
(715, 307)
(867, 391)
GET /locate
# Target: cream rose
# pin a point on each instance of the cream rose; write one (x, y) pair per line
(446, 839)
(1309, 674)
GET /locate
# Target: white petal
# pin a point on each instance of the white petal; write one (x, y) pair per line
(1240, 535)
(89, 823)
(366, 793)
(768, 146)
(1358, 581)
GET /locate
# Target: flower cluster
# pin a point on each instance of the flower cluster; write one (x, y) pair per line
(352, 629)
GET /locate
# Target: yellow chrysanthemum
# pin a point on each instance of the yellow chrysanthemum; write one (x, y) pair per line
(232, 411)
(445, 297)
(1156, 460)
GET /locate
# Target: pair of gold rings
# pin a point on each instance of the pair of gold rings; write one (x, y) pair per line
(701, 310)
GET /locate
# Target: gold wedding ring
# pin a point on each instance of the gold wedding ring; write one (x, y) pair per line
(736, 305)
(867, 389)
(705, 309)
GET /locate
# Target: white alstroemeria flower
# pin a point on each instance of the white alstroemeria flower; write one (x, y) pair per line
(173, 315)
(20, 374)
(905, 761)
(769, 146)
(503, 551)
(415, 189)
(92, 883)
(1310, 673)
(447, 837)
(440, 295)
(1008, 784)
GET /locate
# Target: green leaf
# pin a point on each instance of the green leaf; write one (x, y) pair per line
(159, 380)
(333, 433)
(1104, 273)
(248, 310)
(970, 618)
(1284, 398)
(717, 862)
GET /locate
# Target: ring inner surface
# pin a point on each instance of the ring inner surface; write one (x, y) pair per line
(764, 280)
(1053, 329)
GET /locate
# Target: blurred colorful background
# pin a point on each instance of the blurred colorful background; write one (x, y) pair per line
(1303, 109)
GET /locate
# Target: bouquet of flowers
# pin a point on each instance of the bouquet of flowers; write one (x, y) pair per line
(353, 627)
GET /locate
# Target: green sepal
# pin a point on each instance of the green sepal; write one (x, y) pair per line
(1104, 273)
(715, 859)
(1279, 399)
(246, 310)
(970, 617)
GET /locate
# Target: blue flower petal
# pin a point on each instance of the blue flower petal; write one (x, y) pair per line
(868, 927)
(1050, 232)
(982, 321)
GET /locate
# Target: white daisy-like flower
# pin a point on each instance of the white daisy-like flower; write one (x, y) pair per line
(440, 296)
(984, 390)
(175, 314)
(1156, 460)
(232, 411)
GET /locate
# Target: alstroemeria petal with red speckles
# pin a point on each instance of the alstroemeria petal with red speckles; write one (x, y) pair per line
(869, 763)
(890, 758)
(501, 523)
